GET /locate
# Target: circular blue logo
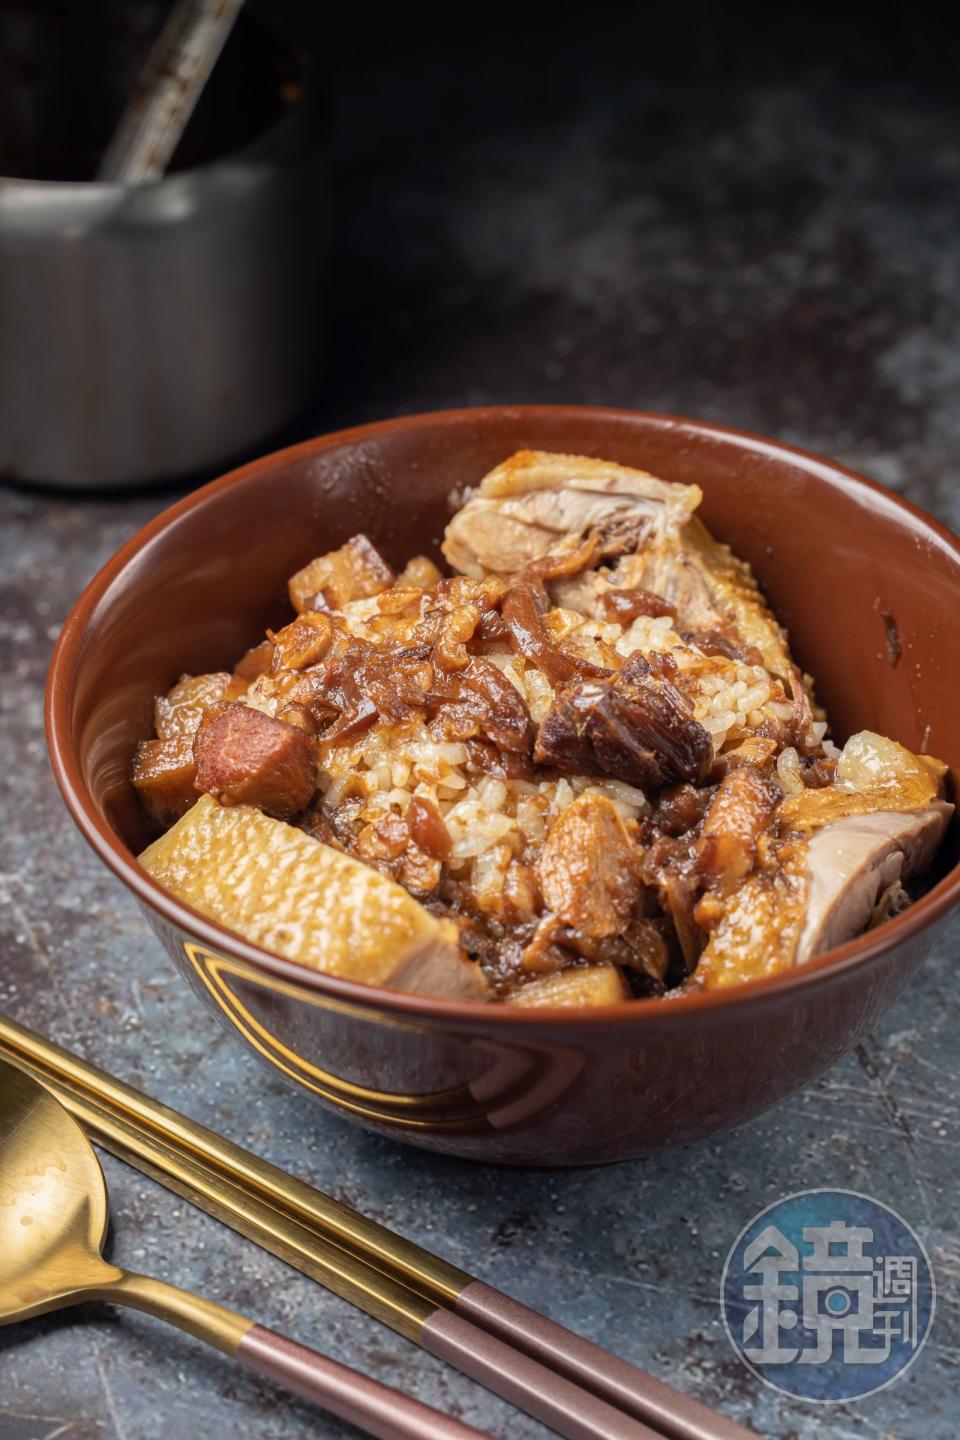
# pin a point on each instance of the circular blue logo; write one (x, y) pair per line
(828, 1295)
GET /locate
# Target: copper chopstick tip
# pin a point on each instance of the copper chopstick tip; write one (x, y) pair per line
(565, 1407)
(671, 1412)
(375, 1408)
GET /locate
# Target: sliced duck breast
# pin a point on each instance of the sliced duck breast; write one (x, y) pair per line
(850, 864)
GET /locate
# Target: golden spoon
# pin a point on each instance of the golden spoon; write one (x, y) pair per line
(53, 1219)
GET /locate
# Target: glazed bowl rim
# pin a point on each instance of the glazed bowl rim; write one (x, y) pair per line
(843, 959)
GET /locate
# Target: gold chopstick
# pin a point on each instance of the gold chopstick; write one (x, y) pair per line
(483, 1332)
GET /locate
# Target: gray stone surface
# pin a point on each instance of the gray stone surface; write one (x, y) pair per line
(628, 216)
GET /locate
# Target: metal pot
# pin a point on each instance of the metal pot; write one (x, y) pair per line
(157, 331)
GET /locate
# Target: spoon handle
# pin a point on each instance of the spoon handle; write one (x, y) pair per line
(371, 1406)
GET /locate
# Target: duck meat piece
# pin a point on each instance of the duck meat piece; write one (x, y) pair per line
(163, 776)
(852, 862)
(301, 899)
(743, 805)
(247, 758)
(536, 502)
(636, 725)
(835, 852)
(588, 869)
(354, 572)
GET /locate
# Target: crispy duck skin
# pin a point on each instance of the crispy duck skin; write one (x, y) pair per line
(310, 903)
(246, 757)
(636, 725)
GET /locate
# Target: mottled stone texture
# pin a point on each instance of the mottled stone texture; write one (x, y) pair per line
(758, 227)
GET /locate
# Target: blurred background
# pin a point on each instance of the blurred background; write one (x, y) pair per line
(750, 214)
(743, 213)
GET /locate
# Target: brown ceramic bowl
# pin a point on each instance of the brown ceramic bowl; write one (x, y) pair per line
(869, 588)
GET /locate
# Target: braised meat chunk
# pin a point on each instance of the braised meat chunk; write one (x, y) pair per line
(742, 807)
(353, 572)
(246, 758)
(638, 726)
(180, 711)
(164, 772)
(589, 868)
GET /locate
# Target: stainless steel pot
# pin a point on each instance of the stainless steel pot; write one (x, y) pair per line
(152, 332)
